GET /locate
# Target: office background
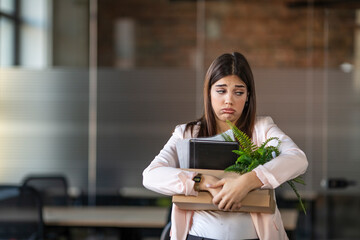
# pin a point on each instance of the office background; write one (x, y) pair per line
(138, 66)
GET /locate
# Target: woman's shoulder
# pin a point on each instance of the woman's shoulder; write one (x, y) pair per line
(187, 130)
(263, 120)
(180, 129)
(262, 125)
(265, 128)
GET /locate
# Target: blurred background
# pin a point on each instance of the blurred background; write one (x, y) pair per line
(92, 90)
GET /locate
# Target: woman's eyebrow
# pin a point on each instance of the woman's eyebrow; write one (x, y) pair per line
(224, 85)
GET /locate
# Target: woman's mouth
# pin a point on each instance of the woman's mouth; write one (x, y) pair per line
(228, 110)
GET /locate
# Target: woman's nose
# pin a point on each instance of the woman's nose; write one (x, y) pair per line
(228, 99)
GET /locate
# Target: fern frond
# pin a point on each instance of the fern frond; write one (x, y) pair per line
(244, 141)
(253, 165)
(300, 180)
(226, 137)
(292, 185)
(270, 150)
(269, 140)
(238, 152)
(235, 168)
(244, 159)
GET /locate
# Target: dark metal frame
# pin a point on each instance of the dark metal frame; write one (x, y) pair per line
(16, 19)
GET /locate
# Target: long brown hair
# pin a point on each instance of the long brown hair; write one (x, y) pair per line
(226, 65)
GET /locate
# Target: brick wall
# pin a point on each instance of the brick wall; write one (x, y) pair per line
(268, 32)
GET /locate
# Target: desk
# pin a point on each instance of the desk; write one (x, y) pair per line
(126, 216)
(119, 216)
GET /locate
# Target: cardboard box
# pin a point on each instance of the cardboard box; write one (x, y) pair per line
(256, 201)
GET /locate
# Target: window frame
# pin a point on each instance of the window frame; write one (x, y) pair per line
(16, 20)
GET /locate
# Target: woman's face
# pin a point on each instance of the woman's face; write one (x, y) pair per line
(228, 97)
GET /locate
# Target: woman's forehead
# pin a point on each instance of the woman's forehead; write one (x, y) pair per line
(231, 80)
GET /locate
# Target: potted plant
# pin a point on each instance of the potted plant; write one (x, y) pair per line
(251, 156)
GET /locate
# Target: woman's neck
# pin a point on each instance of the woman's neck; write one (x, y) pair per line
(221, 127)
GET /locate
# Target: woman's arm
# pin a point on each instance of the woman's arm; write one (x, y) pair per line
(291, 162)
(164, 176)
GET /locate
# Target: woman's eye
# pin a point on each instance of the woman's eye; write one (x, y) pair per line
(239, 93)
(220, 91)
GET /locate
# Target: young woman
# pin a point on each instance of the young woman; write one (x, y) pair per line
(229, 94)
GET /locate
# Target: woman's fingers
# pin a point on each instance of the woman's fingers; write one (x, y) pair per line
(216, 200)
(224, 203)
(236, 207)
(221, 205)
(229, 205)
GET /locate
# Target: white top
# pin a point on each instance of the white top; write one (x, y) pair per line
(223, 225)
(218, 224)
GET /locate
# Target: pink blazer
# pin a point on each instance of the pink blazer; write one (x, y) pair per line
(164, 176)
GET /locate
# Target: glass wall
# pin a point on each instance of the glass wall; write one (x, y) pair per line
(341, 118)
(44, 90)
(146, 84)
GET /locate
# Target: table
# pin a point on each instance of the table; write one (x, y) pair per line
(103, 216)
(126, 216)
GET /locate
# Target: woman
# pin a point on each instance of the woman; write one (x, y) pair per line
(229, 94)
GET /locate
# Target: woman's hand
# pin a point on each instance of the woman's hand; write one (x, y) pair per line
(234, 190)
(208, 180)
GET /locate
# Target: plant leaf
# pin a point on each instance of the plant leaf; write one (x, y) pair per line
(226, 137)
(292, 185)
(234, 168)
(244, 141)
(269, 140)
(300, 180)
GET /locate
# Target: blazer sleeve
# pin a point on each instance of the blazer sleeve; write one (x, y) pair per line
(291, 162)
(164, 176)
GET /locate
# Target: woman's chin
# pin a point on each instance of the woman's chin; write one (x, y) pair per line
(231, 118)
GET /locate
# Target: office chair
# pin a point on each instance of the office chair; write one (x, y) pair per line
(20, 213)
(165, 234)
(53, 190)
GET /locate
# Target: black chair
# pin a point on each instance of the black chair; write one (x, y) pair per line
(20, 213)
(53, 190)
(165, 234)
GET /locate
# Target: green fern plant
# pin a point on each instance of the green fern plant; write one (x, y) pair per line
(251, 156)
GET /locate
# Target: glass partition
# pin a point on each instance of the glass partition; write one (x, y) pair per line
(146, 85)
(44, 90)
(341, 120)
